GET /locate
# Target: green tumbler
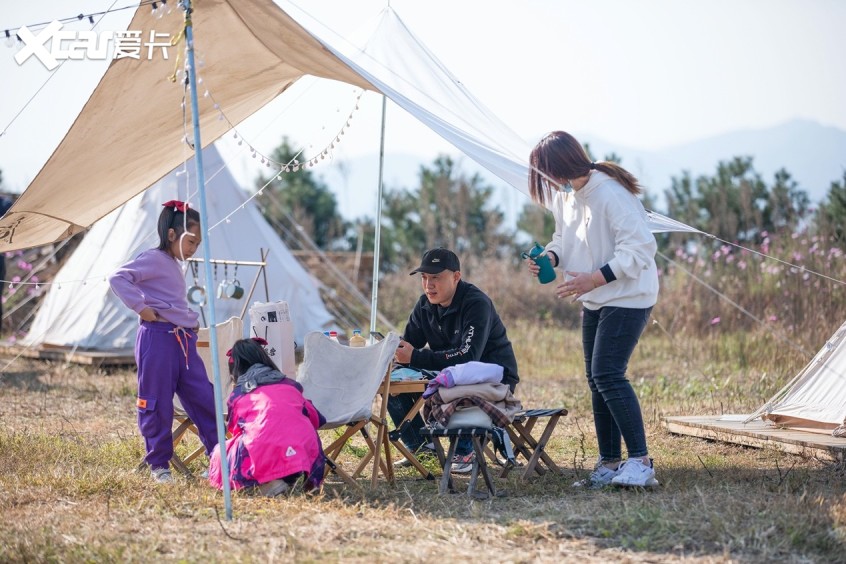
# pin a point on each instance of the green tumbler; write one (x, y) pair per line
(538, 254)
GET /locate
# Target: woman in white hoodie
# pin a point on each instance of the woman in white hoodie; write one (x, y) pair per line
(607, 253)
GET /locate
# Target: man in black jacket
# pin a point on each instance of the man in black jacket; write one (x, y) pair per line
(452, 323)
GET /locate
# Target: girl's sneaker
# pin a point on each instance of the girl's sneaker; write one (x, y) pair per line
(274, 488)
(162, 475)
(634, 473)
(599, 478)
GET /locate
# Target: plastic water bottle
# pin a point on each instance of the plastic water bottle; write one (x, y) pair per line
(538, 254)
(357, 340)
(333, 335)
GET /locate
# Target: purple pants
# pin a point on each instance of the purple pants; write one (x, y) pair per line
(162, 372)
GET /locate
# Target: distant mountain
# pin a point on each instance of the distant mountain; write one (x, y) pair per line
(815, 155)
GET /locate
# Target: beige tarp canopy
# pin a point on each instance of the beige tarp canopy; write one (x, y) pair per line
(130, 132)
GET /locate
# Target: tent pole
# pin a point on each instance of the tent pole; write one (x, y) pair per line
(201, 189)
(374, 296)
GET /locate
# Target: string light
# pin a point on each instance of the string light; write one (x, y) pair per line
(90, 16)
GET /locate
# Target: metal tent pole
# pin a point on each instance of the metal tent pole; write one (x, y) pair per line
(374, 299)
(201, 189)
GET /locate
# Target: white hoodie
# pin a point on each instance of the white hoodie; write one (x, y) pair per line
(603, 223)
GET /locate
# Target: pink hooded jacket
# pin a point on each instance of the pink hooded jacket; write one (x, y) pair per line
(274, 435)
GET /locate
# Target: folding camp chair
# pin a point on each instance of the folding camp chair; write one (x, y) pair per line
(342, 382)
(228, 332)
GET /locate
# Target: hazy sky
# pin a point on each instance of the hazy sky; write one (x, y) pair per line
(646, 74)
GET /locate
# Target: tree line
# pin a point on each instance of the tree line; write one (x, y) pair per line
(449, 208)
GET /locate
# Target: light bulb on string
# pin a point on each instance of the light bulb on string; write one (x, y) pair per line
(10, 41)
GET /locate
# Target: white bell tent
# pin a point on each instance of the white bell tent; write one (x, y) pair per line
(81, 311)
(815, 400)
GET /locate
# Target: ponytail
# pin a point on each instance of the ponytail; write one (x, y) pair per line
(621, 175)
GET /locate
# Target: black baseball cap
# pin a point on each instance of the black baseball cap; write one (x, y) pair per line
(438, 260)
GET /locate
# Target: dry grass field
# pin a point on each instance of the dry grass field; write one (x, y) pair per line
(70, 492)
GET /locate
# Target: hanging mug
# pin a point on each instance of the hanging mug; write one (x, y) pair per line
(221, 290)
(197, 295)
(234, 290)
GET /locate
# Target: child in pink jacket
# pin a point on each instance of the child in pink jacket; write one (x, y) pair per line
(274, 428)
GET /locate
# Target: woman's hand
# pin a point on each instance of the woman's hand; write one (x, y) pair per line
(532, 266)
(578, 284)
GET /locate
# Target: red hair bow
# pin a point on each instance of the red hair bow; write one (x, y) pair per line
(176, 205)
(258, 340)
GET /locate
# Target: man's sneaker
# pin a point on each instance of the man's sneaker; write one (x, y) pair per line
(634, 473)
(599, 478)
(462, 464)
(274, 488)
(426, 450)
(162, 475)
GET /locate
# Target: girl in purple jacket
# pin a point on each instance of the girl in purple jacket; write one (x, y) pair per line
(274, 428)
(153, 285)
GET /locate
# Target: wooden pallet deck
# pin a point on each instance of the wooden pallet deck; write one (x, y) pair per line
(88, 357)
(757, 433)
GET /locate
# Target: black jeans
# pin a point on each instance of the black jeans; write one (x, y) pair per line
(399, 406)
(609, 336)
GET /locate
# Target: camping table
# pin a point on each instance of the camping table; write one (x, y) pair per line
(400, 387)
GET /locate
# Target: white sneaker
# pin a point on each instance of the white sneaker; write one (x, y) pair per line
(274, 488)
(599, 478)
(634, 473)
(162, 475)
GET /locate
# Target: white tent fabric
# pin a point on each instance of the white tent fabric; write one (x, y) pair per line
(253, 51)
(815, 400)
(81, 311)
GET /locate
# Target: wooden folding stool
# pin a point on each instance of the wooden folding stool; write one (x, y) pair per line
(532, 449)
